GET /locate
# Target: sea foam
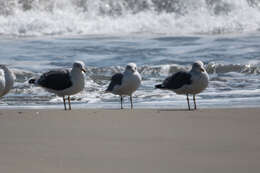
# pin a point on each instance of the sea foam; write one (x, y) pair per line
(113, 17)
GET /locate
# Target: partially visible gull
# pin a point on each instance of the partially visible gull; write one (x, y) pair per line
(7, 78)
(125, 84)
(63, 82)
(192, 82)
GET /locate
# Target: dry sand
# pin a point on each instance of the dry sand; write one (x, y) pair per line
(125, 141)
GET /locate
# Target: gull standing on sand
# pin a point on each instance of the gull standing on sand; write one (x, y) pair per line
(7, 78)
(126, 83)
(63, 82)
(192, 82)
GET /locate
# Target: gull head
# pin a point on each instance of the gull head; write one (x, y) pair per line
(198, 66)
(131, 67)
(79, 65)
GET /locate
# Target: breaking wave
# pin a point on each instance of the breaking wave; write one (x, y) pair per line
(88, 17)
(99, 74)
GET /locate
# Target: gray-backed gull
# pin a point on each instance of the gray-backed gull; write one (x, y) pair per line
(125, 84)
(63, 82)
(192, 82)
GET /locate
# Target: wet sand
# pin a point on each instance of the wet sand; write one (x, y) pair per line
(125, 141)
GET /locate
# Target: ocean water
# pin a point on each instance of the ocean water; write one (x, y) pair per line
(161, 37)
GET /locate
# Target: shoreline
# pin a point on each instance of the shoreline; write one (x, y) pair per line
(117, 107)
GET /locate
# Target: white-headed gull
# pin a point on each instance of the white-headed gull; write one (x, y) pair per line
(125, 84)
(192, 82)
(63, 82)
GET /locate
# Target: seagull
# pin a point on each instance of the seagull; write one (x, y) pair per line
(126, 83)
(63, 82)
(192, 82)
(7, 78)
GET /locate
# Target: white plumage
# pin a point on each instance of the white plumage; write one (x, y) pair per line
(125, 84)
(192, 82)
(7, 79)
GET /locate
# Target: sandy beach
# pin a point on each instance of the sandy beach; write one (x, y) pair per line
(125, 141)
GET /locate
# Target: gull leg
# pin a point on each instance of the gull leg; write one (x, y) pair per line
(188, 101)
(69, 102)
(64, 102)
(131, 100)
(121, 99)
(194, 100)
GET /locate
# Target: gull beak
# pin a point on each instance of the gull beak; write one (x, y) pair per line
(202, 70)
(84, 70)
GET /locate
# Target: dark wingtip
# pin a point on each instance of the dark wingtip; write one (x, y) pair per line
(160, 86)
(32, 81)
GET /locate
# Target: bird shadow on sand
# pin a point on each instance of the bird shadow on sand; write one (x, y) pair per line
(118, 109)
(176, 110)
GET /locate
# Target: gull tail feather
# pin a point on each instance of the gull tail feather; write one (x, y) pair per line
(32, 81)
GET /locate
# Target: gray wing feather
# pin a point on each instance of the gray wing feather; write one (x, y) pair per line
(177, 80)
(115, 80)
(55, 79)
